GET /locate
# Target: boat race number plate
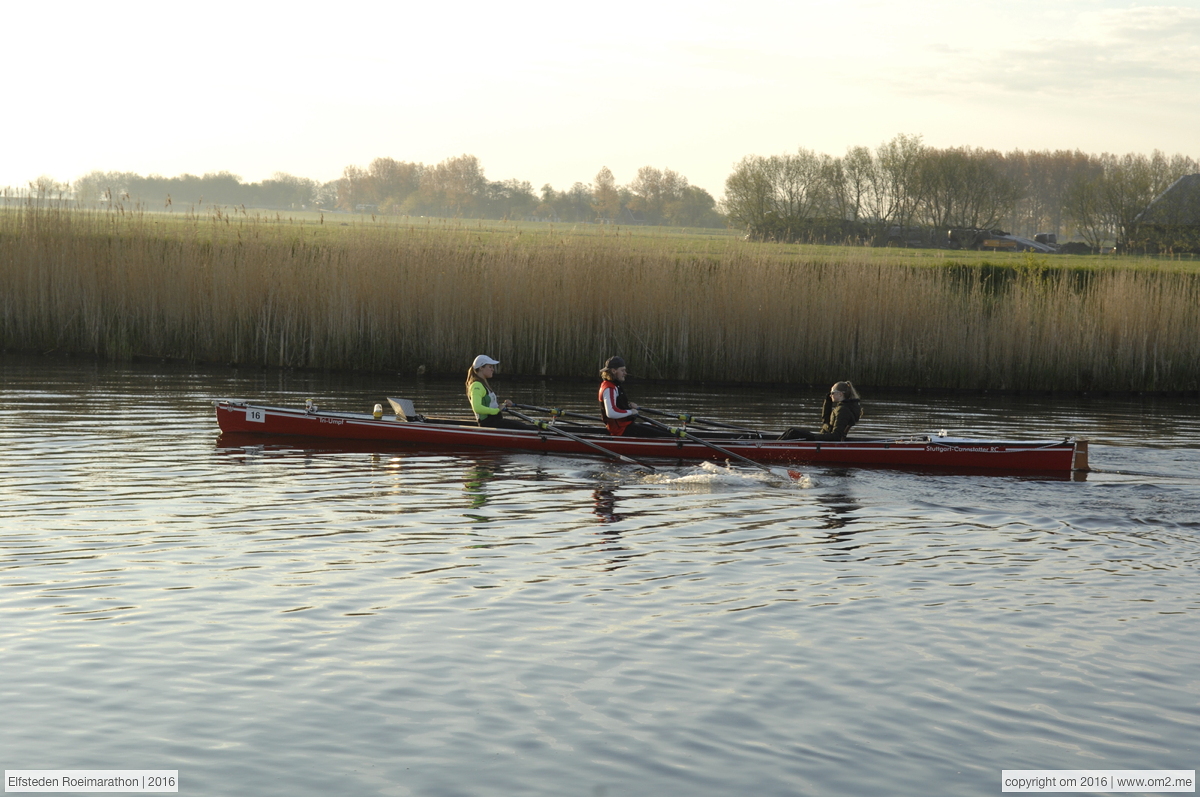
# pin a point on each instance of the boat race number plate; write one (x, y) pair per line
(258, 416)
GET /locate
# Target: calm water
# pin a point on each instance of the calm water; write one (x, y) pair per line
(276, 620)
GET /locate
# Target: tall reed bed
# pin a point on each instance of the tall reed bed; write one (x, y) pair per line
(399, 298)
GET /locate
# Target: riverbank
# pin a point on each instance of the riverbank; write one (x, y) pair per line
(555, 303)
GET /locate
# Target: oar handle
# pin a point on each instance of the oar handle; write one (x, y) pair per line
(679, 416)
(539, 424)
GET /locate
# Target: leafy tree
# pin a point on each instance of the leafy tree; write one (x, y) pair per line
(579, 203)
(455, 187)
(355, 189)
(325, 195)
(99, 187)
(511, 199)
(654, 191)
(695, 207)
(393, 182)
(606, 199)
(781, 196)
(283, 190)
(749, 193)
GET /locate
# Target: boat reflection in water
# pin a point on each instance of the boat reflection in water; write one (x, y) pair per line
(605, 505)
(475, 484)
(840, 510)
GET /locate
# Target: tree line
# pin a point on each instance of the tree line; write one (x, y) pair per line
(455, 188)
(865, 196)
(281, 191)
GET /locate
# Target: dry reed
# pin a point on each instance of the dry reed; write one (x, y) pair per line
(243, 290)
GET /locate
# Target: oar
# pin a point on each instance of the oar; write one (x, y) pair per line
(547, 427)
(555, 412)
(686, 418)
(781, 472)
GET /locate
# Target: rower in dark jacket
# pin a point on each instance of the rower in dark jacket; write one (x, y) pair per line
(841, 409)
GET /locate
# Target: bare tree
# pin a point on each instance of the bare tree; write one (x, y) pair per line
(895, 190)
(1085, 203)
(1042, 180)
(800, 185)
(964, 188)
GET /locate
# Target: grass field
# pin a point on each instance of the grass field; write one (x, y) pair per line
(399, 294)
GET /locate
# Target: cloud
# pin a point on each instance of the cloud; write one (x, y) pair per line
(1142, 54)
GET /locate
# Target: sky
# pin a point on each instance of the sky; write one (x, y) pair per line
(552, 92)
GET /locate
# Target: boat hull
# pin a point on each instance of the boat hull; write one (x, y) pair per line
(240, 417)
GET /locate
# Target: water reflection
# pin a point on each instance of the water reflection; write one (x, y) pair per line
(614, 624)
(475, 485)
(839, 510)
(604, 505)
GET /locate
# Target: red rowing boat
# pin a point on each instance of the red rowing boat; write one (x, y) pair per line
(1062, 456)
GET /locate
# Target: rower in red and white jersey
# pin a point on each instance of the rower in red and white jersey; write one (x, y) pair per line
(619, 413)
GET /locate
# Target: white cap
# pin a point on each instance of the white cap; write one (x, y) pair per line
(483, 360)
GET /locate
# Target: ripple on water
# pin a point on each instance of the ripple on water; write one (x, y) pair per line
(281, 619)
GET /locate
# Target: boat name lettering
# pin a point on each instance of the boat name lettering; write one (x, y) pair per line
(335, 421)
(937, 448)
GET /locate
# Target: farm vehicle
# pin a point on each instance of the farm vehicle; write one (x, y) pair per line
(965, 238)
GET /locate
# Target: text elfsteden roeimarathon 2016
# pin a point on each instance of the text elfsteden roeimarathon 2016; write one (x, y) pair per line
(74, 780)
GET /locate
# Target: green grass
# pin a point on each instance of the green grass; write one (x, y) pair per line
(331, 227)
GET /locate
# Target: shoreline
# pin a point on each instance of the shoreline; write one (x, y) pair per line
(522, 379)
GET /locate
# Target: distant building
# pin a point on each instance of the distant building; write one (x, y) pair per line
(1171, 223)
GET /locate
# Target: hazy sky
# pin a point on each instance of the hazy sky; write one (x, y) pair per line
(550, 92)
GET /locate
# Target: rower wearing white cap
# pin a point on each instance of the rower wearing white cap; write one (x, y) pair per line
(483, 399)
